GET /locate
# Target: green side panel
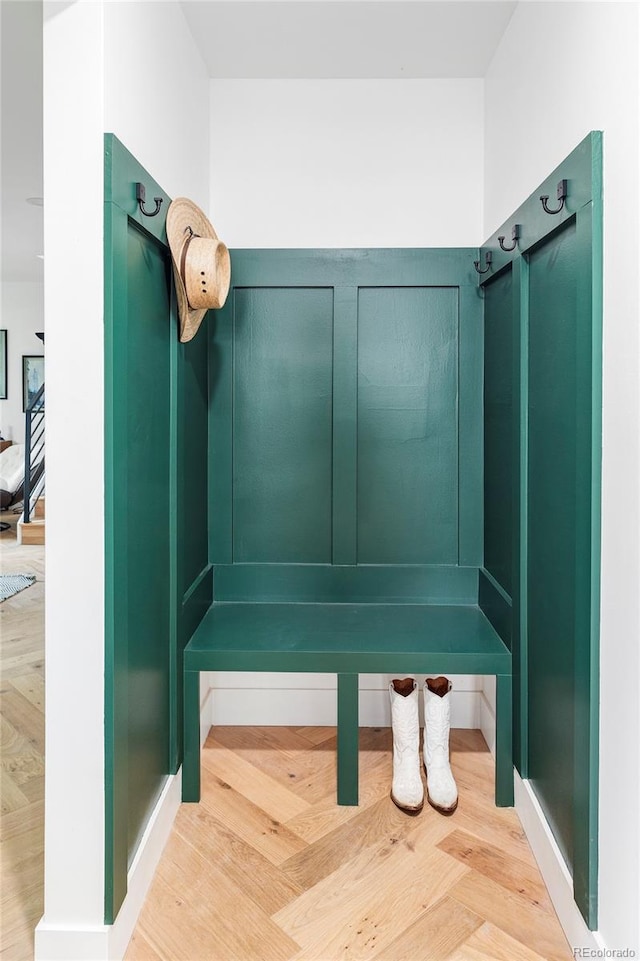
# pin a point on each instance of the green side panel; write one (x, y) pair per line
(194, 576)
(408, 426)
(334, 584)
(556, 458)
(158, 582)
(282, 425)
(193, 437)
(498, 428)
(146, 460)
(495, 604)
(552, 527)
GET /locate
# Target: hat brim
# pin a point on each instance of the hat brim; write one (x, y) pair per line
(183, 213)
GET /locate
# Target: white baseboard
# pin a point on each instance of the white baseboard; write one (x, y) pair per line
(317, 707)
(487, 721)
(552, 867)
(108, 942)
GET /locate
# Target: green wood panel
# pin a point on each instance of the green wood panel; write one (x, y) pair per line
(158, 582)
(470, 441)
(495, 604)
(556, 452)
(282, 425)
(355, 267)
(194, 455)
(408, 425)
(147, 519)
(193, 590)
(498, 428)
(345, 425)
(552, 528)
(221, 432)
(334, 584)
(353, 638)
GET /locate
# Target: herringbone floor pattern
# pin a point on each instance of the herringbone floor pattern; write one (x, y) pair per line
(22, 749)
(268, 868)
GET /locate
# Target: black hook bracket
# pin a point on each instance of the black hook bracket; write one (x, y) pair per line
(515, 236)
(561, 195)
(487, 261)
(141, 194)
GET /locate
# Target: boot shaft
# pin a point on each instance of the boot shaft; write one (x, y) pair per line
(405, 722)
(437, 721)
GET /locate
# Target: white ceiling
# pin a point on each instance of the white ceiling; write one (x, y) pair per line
(241, 39)
(347, 38)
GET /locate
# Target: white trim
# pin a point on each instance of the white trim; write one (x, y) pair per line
(488, 721)
(317, 707)
(554, 871)
(54, 942)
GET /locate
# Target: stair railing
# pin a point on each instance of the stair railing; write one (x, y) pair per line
(34, 454)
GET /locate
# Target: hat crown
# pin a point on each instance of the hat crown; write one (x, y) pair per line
(201, 264)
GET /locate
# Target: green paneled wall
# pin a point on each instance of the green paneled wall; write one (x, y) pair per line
(147, 465)
(543, 306)
(407, 425)
(282, 433)
(339, 424)
(158, 581)
(551, 562)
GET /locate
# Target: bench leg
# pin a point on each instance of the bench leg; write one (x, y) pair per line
(347, 739)
(504, 741)
(191, 736)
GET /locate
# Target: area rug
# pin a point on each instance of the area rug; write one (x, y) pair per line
(11, 584)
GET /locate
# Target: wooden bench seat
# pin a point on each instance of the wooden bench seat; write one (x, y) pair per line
(347, 640)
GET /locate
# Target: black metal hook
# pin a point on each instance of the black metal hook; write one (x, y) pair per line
(515, 236)
(141, 194)
(487, 261)
(561, 194)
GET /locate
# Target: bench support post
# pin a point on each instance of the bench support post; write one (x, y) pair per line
(191, 758)
(504, 741)
(347, 739)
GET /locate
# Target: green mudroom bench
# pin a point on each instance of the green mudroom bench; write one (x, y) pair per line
(347, 639)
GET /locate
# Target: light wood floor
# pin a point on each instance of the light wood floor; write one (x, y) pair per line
(268, 868)
(22, 749)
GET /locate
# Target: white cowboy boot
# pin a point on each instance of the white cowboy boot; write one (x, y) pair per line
(407, 791)
(442, 792)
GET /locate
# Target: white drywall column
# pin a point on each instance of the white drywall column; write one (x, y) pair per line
(73, 188)
(131, 69)
(156, 94)
(562, 70)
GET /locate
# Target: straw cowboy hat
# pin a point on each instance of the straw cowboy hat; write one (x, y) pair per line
(201, 264)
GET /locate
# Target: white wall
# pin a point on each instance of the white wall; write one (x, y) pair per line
(21, 314)
(342, 163)
(347, 163)
(106, 67)
(562, 70)
(156, 94)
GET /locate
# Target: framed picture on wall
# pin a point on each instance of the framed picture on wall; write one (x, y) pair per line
(32, 377)
(3, 365)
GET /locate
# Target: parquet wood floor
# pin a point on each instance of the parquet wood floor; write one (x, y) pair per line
(268, 868)
(21, 749)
